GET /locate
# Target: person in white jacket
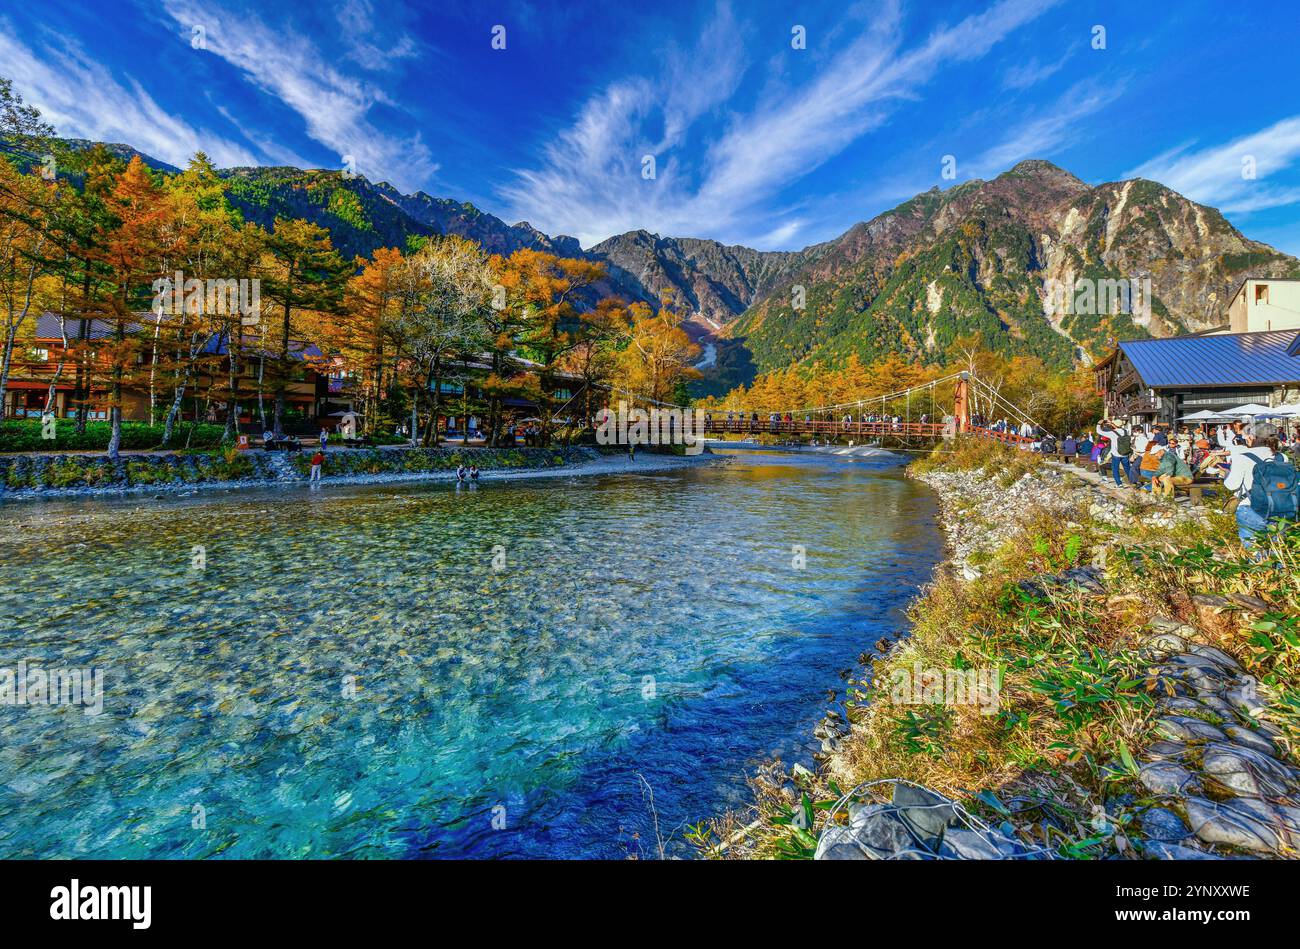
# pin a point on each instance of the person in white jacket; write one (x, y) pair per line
(1261, 443)
(1112, 431)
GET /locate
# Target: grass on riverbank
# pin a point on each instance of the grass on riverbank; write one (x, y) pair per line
(1008, 464)
(1075, 699)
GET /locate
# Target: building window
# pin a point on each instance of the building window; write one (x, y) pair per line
(1261, 293)
(40, 355)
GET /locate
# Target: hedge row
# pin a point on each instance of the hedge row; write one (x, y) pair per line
(25, 435)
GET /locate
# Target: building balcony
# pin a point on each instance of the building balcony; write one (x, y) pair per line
(1125, 405)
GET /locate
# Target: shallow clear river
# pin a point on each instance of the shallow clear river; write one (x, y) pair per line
(415, 671)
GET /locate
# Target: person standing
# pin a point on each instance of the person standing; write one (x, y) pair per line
(324, 439)
(1277, 497)
(1120, 446)
(317, 463)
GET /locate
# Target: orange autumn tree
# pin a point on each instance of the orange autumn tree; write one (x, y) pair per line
(595, 358)
(359, 333)
(659, 357)
(538, 317)
(138, 239)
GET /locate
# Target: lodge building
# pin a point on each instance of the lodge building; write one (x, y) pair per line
(36, 362)
(1253, 357)
(320, 390)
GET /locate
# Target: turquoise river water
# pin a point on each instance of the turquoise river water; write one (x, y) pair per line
(415, 671)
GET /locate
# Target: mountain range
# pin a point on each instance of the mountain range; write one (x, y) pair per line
(972, 260)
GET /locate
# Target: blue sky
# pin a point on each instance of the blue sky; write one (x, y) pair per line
(754, 141)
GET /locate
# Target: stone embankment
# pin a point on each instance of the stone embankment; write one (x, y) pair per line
(87, 475)
(1215, 780)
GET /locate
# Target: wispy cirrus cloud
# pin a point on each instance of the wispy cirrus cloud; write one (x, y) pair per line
(334, 106)
(1050, 128)
(357, 20)
(1219, 175)
(589, 182)
(1027, 75)
(83, 99)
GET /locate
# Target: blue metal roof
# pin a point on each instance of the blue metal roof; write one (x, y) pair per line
(1226, 360)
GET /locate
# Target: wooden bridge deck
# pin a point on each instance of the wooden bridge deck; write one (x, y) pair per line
(855, 429)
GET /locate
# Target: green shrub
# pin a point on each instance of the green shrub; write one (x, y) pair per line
(25, 435)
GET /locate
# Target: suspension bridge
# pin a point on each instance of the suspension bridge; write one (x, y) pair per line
(920, 412)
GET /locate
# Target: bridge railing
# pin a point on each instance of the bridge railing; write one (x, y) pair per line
(841, 429)
(1008, 438)
(827, 427)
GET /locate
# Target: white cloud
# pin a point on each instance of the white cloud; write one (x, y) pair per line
(333, 105)
(1215, 175)
(82, 99)
(357, 22)
(589, 182)
(1052, 126)
(1030, 74)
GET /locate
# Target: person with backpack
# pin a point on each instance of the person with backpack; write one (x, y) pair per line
(1265, 481)
(1120, 443)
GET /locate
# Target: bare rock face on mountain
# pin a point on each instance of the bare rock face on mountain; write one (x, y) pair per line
(981, 259)
(711, 281)
(462, 218)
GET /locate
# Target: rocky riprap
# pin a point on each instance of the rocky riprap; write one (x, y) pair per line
(1217, 784)
(979, 513)
(918, 824)
(74, 475)
(1216, 769)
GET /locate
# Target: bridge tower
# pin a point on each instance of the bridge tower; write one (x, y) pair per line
(961, 403)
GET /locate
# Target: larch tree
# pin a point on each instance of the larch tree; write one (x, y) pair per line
(134, 247)
(444, 291)
(545, 291)
(304, 272)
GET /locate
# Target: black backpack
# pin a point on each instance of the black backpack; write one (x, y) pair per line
(1124, 444)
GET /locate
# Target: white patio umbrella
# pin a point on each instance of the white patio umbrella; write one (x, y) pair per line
(1282, 411)
(1204, 415)
(1250, 409)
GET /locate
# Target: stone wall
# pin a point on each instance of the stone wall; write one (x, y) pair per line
(58, 475)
